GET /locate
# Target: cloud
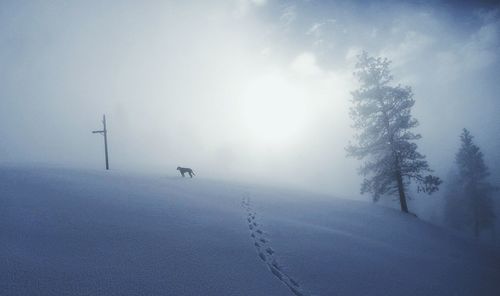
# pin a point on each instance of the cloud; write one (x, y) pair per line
(413, 45)
(243, 7)
(259, 2)
(288, 16)
(477, 52)
(481, 49)
(317, 29)
(305, 64)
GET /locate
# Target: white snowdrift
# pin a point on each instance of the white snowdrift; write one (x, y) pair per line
(67, 232)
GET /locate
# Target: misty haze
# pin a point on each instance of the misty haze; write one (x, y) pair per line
(250, 147)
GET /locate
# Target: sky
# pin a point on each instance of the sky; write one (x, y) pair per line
(250, 90)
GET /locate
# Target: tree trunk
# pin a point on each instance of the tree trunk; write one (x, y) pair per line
(474, 195)
(476, 223)
(402, 196)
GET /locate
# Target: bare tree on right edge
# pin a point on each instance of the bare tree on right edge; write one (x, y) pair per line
(382, 115)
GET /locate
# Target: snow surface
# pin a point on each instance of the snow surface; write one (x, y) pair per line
(69, 232)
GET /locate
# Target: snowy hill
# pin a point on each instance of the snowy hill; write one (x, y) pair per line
(67, 232)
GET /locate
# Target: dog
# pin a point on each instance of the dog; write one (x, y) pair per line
(186, 170)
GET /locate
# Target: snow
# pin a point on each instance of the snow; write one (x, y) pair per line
(81, 232)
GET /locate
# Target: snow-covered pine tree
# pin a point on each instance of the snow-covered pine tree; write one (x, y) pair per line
(470, 203)
(382, 116)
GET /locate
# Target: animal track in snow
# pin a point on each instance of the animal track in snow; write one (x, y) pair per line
(269, 250)
(266, 253)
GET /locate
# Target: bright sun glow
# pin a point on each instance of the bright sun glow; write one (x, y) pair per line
(274, 110)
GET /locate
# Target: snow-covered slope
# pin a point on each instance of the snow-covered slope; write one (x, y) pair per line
(67, 232)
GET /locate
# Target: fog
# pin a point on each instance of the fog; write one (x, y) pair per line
(249, 90)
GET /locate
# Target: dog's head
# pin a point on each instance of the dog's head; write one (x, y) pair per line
(178, 168)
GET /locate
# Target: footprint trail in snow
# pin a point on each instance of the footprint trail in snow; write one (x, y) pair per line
(266, 253)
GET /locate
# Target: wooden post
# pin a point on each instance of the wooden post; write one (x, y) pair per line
(105, 140)
(104, 132)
